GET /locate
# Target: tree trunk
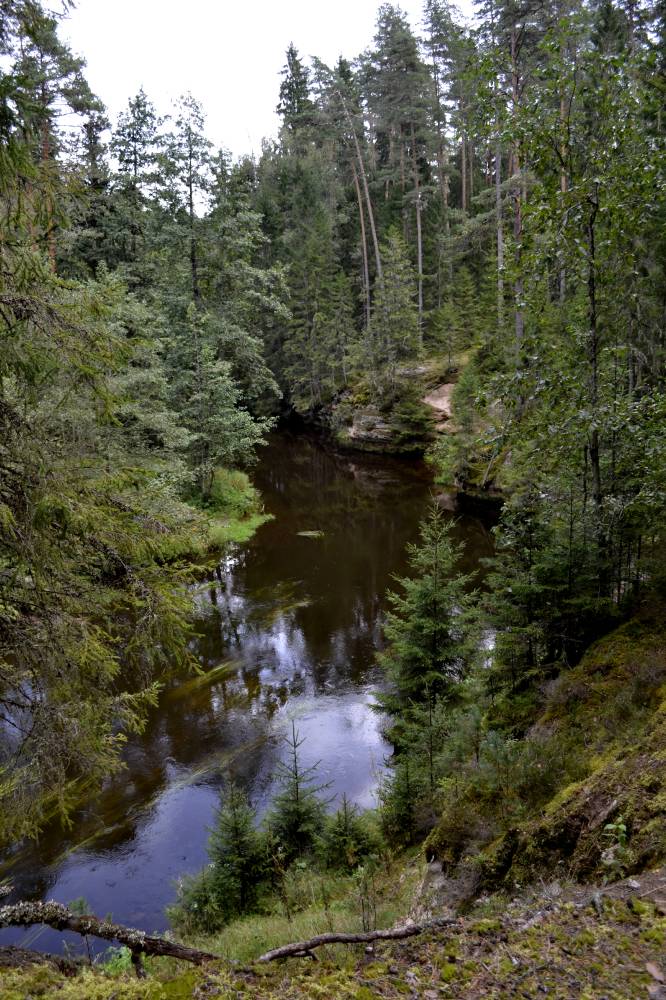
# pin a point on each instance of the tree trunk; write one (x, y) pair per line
(300, 949)
(419, 237)
(366, 190)
(500, 235)
(463, 152)
(46, 159)
(517, 200)
(364, 246)
(594, 449)
(194, 264)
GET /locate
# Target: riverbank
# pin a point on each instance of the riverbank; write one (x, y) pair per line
(231, 514)
(569, 901)
(561, 941)
(286, 626)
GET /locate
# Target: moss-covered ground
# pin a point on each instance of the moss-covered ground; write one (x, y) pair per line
(609, 715)
(564, 942)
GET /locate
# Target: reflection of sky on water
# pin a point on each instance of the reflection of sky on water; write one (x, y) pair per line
(287, 626)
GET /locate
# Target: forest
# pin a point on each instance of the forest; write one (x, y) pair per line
(472, 204)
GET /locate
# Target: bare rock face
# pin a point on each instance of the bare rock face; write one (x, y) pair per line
(440, 400)
(369, 427)
(447, 500)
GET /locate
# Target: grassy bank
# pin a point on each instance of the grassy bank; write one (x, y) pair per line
(231, 513)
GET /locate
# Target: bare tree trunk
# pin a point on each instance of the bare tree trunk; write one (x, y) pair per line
(443, 176)
(364, 245)
(419, 237)
(563, 191)
(517, 201)
(500, 234)
(194, 263)
(46, 159)
(302, 949)
(463, 151)
(594, 448)
(470, 153)
(366, 190)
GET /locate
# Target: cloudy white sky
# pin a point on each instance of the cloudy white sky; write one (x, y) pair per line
(228, 53)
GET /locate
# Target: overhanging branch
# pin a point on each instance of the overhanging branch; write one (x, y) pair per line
(25, 914)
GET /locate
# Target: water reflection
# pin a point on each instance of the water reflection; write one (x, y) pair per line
(287, 627)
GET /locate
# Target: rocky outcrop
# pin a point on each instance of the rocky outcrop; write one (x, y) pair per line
(440, 400)
(369, 427)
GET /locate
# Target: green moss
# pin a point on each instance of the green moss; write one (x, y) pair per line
(374, 969)
(449, 971)
(43, 981)
(485, 926)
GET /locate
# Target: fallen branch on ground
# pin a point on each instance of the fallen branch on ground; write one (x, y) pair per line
(56, 915)
(303, 948)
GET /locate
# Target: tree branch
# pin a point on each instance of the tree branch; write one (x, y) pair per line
(55, 915)
(303, 948)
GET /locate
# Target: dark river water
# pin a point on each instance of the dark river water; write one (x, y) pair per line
(288, 625)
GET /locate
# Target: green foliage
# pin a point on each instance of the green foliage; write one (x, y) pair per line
(348, 838)
(297, 811)
(426, 625)
(322, 332)
(237, 854)
(398, 796)
(616, 855)
(455, 325)
(256, 870)
(393, 332)
(411, 422)
(98, 449)
(231, 492)
(233, 882)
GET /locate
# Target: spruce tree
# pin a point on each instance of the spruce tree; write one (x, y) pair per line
(425, 628)
(297, 814)
(238, 855)
(346, 841)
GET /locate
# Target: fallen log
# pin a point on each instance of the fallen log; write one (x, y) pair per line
(300, 949)
(25, 914)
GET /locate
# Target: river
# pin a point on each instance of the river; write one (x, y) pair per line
(287, 628)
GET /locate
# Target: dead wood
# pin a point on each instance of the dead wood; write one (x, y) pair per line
(25, 914)
(301, 949)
